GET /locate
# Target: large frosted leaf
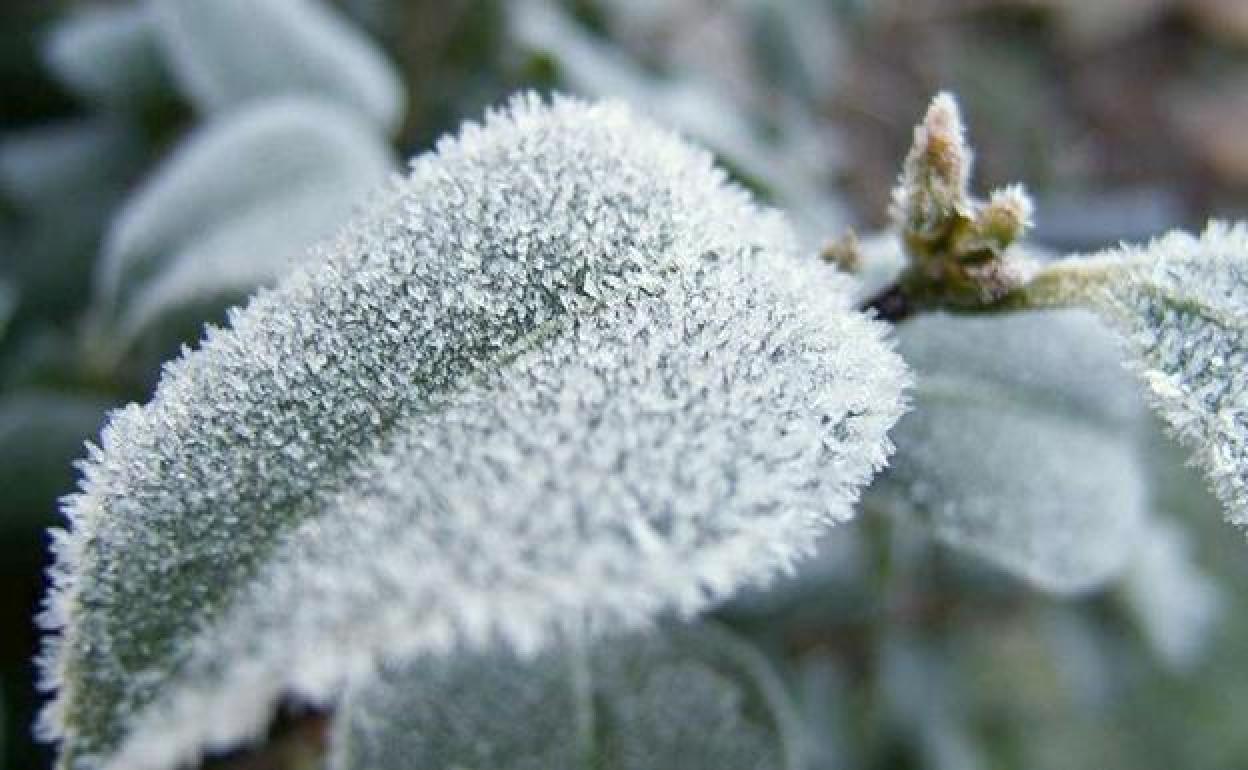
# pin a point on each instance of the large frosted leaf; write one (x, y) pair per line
(563, 369)
(1021, 447)
(691, 698)
(228, 52)
(1182, 304)
(109, 55)
(234, 206)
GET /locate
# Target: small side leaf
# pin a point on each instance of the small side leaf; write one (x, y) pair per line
(689, 698)
(1021, 446)
(228, 52)
(1181, 302)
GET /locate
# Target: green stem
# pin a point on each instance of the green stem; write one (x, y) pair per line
(1070, 282)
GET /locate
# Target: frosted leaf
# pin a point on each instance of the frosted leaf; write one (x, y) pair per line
(228, 52)
(108, 55)
(690, 698)
(1020, 448)
(1175, 603)
(233, 206)
(1181, 302)
(563, 369)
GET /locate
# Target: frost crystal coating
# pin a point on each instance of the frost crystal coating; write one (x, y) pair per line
(561, 370)
(1182, 304)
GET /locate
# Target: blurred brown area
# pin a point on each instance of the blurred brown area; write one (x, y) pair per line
(1127, 109)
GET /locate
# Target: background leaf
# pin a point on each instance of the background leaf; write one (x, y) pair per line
(41, 434)
(109, 56)
(1175, 602)
(229, 52)
(1021, 447)
(232, 209)
(689, 698)
(62, 182)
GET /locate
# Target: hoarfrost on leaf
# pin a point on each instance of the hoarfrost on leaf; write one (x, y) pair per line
(689, 698)
(228, 52)
(563, 369)
(1181, 302)
(1021, 447)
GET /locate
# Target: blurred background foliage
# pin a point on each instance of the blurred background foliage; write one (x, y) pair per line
(903, 645)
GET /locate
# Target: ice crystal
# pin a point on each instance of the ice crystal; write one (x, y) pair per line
(689, 698)
(1021, 447)
(1182, 304)
(562, 369)
(228, 52)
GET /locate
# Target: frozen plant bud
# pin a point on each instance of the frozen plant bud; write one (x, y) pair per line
(1004, 218)
(932, 191)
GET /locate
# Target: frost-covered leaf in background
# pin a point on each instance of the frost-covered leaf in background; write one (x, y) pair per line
(563, 369)
(228, 52)
(232, 208)
(1181, 302)
(923, 697)
(788, 166)
(689, 698)
(1021, 446)
(62, 180)
(108, 55)
(1175, 602)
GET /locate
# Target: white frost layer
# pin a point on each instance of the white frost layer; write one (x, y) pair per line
(562, 368)
(1182, 304)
